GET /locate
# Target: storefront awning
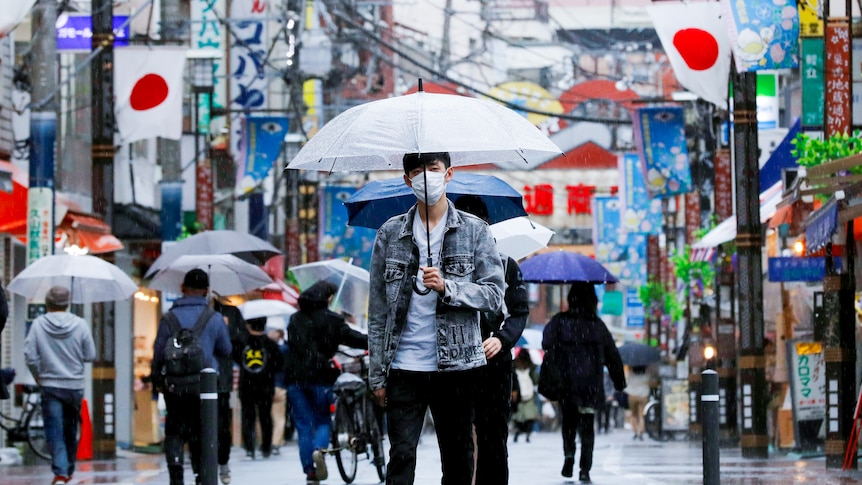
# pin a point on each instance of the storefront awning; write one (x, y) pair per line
(726, 231)
(821, 226)
(88, 232)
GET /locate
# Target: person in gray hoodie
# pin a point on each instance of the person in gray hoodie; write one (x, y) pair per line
(55, 350)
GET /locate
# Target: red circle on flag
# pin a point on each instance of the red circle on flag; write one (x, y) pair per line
(698, 48)
(150, 91)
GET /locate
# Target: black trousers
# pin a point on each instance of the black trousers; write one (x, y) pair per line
(449, 395)
(225, 425)
(491, 418)
(256, 405)
(182, 425)
(578, 423)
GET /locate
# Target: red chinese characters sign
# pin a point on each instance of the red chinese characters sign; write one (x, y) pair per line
(692, 215)
(723, 185)
(653, 259)
(204, 194)
(838, 100)
(539, 199)
(579, 197)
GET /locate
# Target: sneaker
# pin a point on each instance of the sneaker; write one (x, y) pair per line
(568, 467)
(60, 480)
(224, 474)
(275, 451)
(311, 478)
(584, 477)
(249, 454)
(319, 465)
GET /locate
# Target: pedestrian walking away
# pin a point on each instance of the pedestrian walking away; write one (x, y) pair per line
(56, 348)
(279, 399)
(314, 336)
(190, 337)
(583, 347)
(236, 331)
(526, 409)
(500, 332)
(638, 393)
(433, 269)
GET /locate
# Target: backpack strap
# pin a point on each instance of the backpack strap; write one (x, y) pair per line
(173, 323)
(202, 321)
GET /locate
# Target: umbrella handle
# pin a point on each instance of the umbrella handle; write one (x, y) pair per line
(416, 286)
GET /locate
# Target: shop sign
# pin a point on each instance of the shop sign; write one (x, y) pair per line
(204, 193)
(811, 72)
(40, 223)
(798, 269)
(634, 309)
(75, 32)
(810, 18)
(808, 380)
(692, 215)
(723, 184)
(838, 109)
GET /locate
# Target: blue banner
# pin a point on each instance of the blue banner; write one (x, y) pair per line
(640, 213)
(763, 35)
(262, 137)
(660, 132)
(608, 237)
(821, 226)
(798, 269)
(172, 210)
(337, 239)
(43, 137)
(634, 309)
(75, 32)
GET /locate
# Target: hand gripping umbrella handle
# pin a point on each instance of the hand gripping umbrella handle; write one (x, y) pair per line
(416, 288)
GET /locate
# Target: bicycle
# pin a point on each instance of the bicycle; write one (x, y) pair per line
(28, 426)
(357, 422)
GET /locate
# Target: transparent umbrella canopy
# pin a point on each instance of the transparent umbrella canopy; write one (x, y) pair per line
(88, 278)
(352, 283)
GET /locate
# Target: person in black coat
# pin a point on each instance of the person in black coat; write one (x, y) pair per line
(314, 334)
(584, 346)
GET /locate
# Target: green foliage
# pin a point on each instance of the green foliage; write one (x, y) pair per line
(691, 271)
(186, 231)
(811, 151)
(651, 293)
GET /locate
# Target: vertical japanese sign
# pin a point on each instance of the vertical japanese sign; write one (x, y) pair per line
(808, 380)
(40, 196)
(634, 309)
(40, 223)
(660, 132)
(811, 73)
(204, 193)
(810, 18)
(692, 215)
(641, 214)
(856, 79)
(208, 33)
(723, 184)
(247, 54)
(838, 110)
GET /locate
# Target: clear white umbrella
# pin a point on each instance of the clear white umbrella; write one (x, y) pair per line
(520, 237)
(246, 247)
(88, 278)
(274, 311)
(352, 282)
(228, 274)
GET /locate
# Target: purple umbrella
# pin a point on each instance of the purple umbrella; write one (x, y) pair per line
(561, 267)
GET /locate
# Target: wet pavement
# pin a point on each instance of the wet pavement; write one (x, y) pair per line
(617, 460)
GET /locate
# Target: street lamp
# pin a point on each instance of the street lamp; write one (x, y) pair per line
(709, 354)
(202, 64)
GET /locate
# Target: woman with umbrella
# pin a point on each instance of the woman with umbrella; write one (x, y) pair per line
(582, 345)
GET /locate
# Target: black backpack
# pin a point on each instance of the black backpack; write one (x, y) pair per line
(183, 358)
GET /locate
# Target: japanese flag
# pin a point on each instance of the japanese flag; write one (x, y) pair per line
(12, 12)
(148, 86)
(695, 40)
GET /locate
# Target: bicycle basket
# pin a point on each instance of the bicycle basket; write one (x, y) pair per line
(349, 384)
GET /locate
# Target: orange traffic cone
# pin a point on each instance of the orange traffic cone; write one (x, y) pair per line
(85, 445)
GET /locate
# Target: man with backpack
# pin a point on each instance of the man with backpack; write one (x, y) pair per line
(191, 337)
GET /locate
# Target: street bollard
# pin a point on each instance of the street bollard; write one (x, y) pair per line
(209, 427)
(709, 414)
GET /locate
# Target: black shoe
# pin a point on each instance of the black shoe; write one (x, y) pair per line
(584, 477)
(516, 438)
(568, 467)
(249, 454)
(528, 438)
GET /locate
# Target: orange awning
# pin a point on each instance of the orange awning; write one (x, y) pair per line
(88, 232)
(784, 215)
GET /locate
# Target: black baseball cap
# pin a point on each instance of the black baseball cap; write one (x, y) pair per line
(196, 279)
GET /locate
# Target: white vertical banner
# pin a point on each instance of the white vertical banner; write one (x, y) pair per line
(40, 223)
(208, 33)
(247, 53)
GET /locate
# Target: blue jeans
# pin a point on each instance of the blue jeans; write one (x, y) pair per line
(309, 407)
(61, 412)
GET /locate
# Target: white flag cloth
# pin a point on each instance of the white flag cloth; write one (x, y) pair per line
(148, 86)
(695, 40)
(12, 12)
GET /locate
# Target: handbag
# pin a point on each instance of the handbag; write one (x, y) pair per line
(622, 399)
(551, 383)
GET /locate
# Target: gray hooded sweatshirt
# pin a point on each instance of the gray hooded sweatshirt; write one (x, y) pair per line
(56, 348)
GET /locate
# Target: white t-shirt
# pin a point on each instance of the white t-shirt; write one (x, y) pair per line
(417, 349)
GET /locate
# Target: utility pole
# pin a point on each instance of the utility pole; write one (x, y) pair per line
(43, 131)
(292, 241)
(173, 22)
(752, 362)
(445, 45)
(103, 124)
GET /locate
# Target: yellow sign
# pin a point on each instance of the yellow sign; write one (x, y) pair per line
(810, 18)
(808, 348)
(532, 96)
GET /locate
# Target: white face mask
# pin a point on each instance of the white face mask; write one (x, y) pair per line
(436, 186)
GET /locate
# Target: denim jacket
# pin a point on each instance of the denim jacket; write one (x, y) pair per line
(473, 274)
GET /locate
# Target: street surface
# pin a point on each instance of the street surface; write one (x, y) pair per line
(617, 460)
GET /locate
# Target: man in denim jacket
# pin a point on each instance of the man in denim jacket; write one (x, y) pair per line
(425, 347)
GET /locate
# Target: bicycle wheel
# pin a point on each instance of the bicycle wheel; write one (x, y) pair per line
(375, 426)
(36, 433)
(652, 420)
(343, 438)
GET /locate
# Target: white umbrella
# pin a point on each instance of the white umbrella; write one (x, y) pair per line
(246, 247)
(274, 311)
(352, 283)
(88, 278)
(228, 274)
(520, 237)
(376, 135)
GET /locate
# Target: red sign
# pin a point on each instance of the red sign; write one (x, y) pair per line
(653, 259)
(692, 215)
(539, 199)
(723, 185)
(579, 196)
(204, 193)
(838, 99)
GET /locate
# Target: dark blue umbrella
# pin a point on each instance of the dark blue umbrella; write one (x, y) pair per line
(638, 355)
(377, 201)
(561, 267)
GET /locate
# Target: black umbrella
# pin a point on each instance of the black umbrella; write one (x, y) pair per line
(638, 355)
